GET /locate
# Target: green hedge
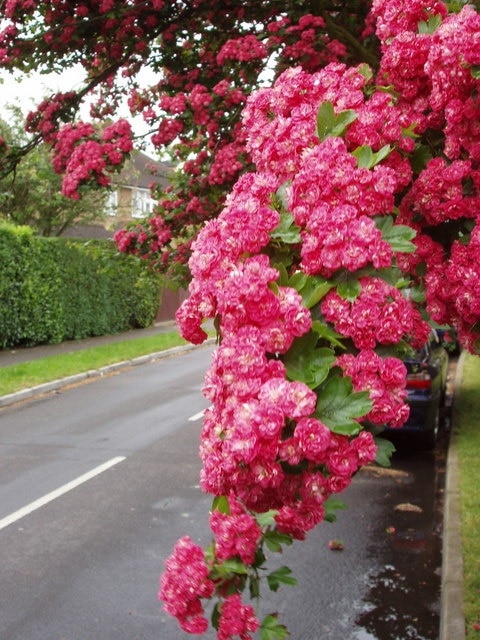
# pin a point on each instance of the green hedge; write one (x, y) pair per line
(56, 289)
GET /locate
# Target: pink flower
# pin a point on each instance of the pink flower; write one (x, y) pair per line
(379, 314)
(236, 533)
(184, 583)
(313, 438)
(385, 381)
(236, 619)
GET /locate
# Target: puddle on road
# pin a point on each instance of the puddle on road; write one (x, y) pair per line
(402, 601)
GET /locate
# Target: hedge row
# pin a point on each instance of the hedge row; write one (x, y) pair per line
(56, 289)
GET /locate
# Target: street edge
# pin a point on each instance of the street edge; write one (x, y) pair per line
(452, 618)
(55, 385)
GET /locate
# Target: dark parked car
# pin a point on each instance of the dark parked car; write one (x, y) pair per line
(426, 385)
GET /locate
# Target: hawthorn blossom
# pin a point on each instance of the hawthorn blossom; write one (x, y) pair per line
(438, 194)
(380, 314)
(385, 381)
(236, 619)
(236, 533)
(183, 584)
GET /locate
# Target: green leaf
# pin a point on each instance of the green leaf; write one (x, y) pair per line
(366, 71)
(266, 519)
(331, 124)
(298, 280)
(398, 236)
(220, 503)
(270, 629)
(216, 615)
(349, 289)
(431, 25)
(367, 158)
(338, 405)
(311, 288)
(275, 539)
(286, 231)
(364, 156)
(280, 576)
(306, 363)
(342, 120)
(254, 587)
(325, 120)
(314, 289)
(331, 505)
(325, 332)
(475, 71)
(385, 451)
(283, 277)
(227, 567)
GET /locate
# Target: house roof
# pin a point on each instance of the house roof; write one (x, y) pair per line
(139, 171)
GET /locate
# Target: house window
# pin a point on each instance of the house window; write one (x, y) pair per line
(142, 203)
(111, 206)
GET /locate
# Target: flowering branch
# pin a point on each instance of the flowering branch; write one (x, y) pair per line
(316, 274)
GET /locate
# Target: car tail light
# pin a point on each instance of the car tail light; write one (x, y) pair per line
(419, 380)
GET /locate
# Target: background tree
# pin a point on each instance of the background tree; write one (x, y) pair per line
(31, 194)
(205, 59)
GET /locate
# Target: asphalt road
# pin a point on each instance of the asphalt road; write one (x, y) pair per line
(97, 482)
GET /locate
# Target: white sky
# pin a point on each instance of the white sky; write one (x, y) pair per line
(28, 93)
(33, 89)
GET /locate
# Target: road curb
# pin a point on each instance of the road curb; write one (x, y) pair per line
(452, 619)
(55, 385)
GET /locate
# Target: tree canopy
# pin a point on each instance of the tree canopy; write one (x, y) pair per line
(31, 195)
(205, 58)
(351, 225)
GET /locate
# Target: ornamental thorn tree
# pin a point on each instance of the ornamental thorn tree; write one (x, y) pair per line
(352, 224)
(358, 224)
(204, 59)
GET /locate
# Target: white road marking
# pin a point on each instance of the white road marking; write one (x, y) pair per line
(196, 416)
(36, 504)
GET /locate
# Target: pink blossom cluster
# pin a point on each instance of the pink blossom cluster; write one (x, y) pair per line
(236, 619)
(188, 577)
(281, 121)
(13, 5)
(432, 72)
(440, 192)
(380, 314)
(227, 163)
(265, 442)
(185, 582)
(394, 17)
(332, 200)
(237, 533)
(385, 381)
(434, 75)
(452, 291)
(7, 36)
(45, 119)
(245, 48)
(302, 41)
(142, 241)
(259, 426)
(83, 158)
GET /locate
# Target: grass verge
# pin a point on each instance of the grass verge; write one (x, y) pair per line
(468, 448)
(30, 374)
